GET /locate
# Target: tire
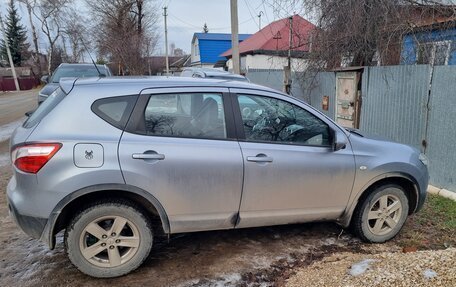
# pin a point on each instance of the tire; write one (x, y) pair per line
(109, 239)
(382, 214)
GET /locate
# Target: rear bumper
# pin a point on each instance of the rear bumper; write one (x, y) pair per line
(32, 226)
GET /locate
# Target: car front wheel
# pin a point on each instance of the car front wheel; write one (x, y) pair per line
(382, 214)
(109, 239)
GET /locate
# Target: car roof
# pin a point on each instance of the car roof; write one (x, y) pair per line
(214, 72)
(80, 65)
(144, 82)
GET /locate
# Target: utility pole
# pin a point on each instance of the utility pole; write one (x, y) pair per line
(259, 19)
(166, 41)
(10, 58)
(287, 71)
(235, 38)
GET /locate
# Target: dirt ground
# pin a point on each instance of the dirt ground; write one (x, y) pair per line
(271, 256)
(250, 257)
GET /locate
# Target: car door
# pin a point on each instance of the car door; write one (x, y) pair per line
(180, 146)
(291, 171)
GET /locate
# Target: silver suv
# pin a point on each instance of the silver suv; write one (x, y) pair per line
(116, 162)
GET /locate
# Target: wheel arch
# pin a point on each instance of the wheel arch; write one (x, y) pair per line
(406, 181)
(69, 205)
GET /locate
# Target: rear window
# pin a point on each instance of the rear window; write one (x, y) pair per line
(115, 110)
(53, 100)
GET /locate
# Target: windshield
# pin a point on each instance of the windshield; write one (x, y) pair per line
(77, 72)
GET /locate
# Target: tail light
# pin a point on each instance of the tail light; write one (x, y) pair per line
(31, 158)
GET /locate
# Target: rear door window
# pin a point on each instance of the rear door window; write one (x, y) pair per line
(198, 115)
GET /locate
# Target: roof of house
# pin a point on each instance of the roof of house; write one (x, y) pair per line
(211, 45)
(218, 36)
(275, 37)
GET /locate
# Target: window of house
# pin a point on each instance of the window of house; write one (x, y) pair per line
(199, 115)
(434, 53)
(272, 120)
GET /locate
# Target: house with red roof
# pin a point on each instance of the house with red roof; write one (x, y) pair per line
(268, 48)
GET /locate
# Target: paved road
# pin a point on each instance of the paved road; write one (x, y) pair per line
(13, 105)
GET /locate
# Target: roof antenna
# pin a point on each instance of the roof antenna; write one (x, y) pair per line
(93, 62)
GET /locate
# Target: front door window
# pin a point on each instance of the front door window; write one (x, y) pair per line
(272, 120)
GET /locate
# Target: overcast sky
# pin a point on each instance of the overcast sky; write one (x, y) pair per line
(188, 16)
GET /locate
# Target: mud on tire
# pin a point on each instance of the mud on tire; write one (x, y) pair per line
(381, 215)
(109, 239)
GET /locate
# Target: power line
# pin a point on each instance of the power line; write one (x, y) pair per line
(198, 27)
(250, 12)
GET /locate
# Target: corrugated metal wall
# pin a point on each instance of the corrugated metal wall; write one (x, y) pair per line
(310, 88)
(394, 100)
(322, 84)
(274, 80)
(441, 135)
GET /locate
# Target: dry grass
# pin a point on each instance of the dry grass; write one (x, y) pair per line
(434, 227)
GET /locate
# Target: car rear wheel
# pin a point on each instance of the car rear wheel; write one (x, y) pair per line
(109, 239)
(382, 214)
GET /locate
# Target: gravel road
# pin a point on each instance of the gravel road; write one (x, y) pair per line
(422, 268)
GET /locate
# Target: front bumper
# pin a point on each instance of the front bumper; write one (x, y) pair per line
(422, 191)
(32, 226)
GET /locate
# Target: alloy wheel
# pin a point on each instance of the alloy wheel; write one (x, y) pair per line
(384, 214)
(109, 241)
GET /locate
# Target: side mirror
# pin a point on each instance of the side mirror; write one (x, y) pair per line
(339, 142)
(45, 79)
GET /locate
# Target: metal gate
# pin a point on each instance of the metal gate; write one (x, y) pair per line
(347, 99)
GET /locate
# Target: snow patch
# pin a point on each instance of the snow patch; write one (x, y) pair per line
(228, 280)
(8, 129)
(429, 273)
(360, 267)
(232, 279)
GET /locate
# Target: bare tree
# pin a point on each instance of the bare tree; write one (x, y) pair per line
(30, 5)
(361, 32)
(75, 32)
(125, 32)
(50, 15)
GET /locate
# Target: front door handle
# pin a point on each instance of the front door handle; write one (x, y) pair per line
(148, 155)
(259, 158)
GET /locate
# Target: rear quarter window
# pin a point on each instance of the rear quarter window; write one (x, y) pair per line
(115, 110)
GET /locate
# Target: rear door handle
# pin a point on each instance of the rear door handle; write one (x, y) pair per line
(154, 156)
(259, 158)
